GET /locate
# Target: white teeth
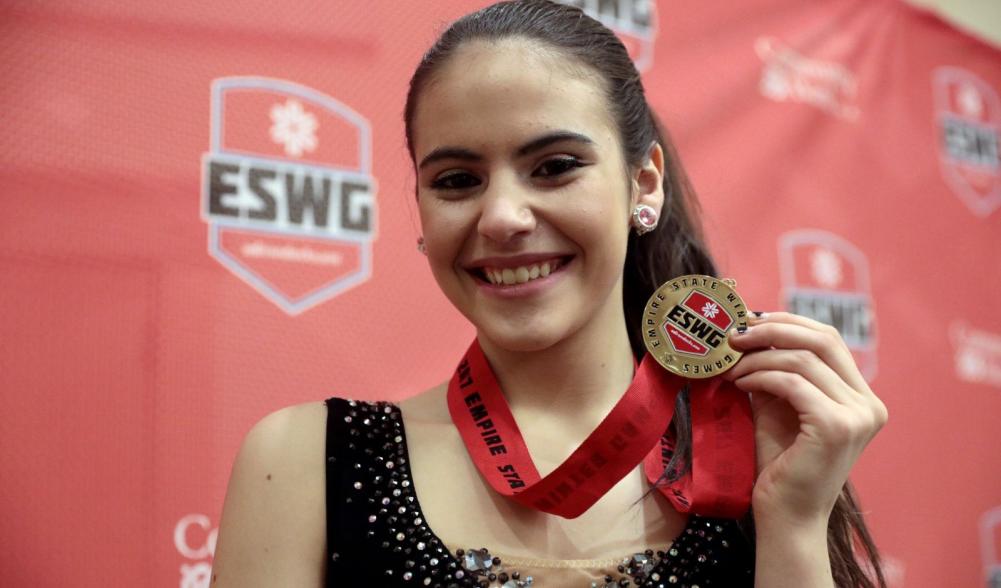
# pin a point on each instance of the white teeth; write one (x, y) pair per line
(519, 275)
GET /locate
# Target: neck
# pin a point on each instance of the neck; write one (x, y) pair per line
(579, 379)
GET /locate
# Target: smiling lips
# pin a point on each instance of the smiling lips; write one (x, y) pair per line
(512, 275)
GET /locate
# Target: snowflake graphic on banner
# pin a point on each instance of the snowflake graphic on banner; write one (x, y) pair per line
(971, 366)
(710, 310)
(969, 101)
(293, 127)
(826, 267)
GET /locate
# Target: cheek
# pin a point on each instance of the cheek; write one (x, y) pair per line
(441, 256)
(604, 229)
(602, 216)
(442, 230)
(435, 221)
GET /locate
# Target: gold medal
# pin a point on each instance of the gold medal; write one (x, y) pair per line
(686, 322)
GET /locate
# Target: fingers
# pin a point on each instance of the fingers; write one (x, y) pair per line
(803, 396)
(838, 427)
(797, 319)
(795, 361)
(781, 330)
(812, 346)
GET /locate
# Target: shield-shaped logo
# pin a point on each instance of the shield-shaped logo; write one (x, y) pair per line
(990, 546)
(634, 21)
(287, 191)
(969, 121)
(826, 278)
(710, 315)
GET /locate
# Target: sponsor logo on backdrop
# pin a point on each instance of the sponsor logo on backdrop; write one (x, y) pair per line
(977, 354)
(195, 539)
(969, 122)
(788, 76)
(990, 546)
(288, 192)
(634, 21)
(826, 278)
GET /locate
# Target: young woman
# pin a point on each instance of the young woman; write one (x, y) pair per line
(535, 151)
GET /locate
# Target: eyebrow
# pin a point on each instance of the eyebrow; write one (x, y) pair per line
(550, 138)
(536, 144)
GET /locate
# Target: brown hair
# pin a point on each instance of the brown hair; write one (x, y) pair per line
(675, 248)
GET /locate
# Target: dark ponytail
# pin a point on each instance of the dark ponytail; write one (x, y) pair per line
(676, 247)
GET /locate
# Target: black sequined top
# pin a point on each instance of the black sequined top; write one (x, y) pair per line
(377, 535)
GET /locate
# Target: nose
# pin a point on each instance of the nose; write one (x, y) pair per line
(506, 213)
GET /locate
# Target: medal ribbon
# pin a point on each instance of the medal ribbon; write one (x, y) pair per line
(718, 483)
(721, 476)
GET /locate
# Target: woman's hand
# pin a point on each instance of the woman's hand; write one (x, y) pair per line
(813, 414)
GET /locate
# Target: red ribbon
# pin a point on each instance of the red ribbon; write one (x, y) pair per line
(717, 484)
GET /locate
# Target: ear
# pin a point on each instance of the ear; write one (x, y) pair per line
(648, 180)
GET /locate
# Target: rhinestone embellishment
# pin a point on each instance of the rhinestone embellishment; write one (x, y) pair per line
(381, 485)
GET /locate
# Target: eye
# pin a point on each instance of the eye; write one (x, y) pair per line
(455, 181)
(557, 166)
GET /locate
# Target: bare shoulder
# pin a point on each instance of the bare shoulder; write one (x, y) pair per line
(432, 439)
(428, 407)
(273, 526)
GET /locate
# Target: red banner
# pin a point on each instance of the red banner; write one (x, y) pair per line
(207, 214)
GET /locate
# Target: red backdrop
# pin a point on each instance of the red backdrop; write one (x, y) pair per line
(207, 214)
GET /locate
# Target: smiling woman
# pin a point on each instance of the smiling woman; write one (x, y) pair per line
(552, 207)
(521, 165)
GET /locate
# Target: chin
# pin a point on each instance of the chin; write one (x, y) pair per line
(519, 338)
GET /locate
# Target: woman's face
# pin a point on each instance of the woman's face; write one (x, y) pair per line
(523, 193)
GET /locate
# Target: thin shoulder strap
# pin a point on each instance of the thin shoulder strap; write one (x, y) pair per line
(335, 448)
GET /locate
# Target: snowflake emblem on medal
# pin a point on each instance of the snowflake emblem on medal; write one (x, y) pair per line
(710, 310)
(293, 128)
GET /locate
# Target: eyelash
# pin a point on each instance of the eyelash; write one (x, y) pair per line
(442, 182)
(566, 163)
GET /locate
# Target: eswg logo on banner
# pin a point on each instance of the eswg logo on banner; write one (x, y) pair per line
(288, 192)
(969, 119)
(634, 21)
(826, 278)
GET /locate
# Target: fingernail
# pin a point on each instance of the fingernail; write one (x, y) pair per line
(741, 330)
